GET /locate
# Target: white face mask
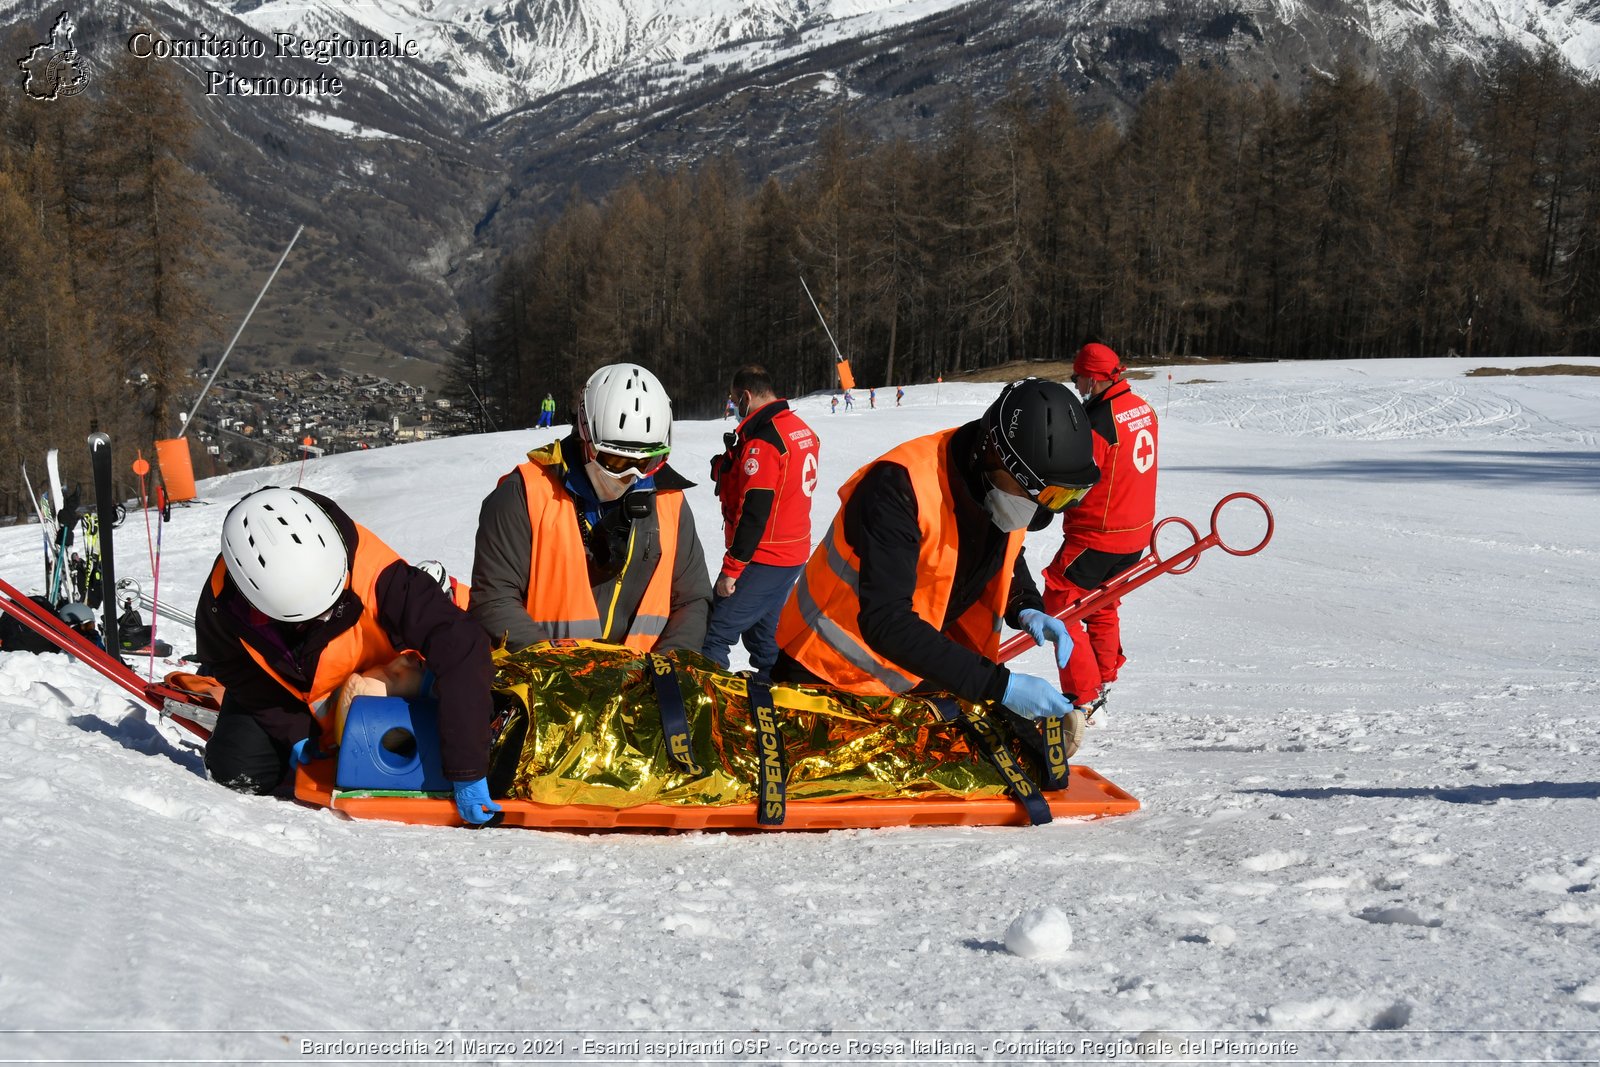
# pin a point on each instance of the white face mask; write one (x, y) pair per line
(608, 486)
(1009, 512)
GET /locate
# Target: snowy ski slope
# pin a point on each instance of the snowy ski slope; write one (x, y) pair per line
(1367, 759)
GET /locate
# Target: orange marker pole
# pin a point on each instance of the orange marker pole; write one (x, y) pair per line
(305, 450)
(141, 467)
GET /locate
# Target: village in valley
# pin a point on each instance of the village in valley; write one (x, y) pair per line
(275, 415)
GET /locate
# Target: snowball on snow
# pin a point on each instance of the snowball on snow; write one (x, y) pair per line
(1039, 933)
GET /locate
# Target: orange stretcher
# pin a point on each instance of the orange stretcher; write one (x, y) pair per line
(1087, 795)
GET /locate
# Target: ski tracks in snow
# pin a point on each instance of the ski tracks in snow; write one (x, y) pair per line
(1371, 410)
(1340, 843)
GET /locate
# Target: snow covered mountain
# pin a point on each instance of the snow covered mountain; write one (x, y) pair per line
(499, 54)
(491, 56)
(496, 55)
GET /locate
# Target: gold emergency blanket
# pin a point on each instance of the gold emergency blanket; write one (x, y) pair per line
(583, 725)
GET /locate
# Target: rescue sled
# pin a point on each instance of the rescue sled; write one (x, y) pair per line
(387, 768)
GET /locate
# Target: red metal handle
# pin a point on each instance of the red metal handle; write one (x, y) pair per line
(1216, 513)
(1151, 566)
(20, 607)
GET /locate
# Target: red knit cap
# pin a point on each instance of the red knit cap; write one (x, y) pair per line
(1098, 362)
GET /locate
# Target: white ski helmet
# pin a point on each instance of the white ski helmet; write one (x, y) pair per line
(284, 554)
(625, 410)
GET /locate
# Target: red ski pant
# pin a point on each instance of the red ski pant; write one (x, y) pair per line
(1097, 639)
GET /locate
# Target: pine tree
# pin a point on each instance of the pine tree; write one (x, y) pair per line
(150, 237)
(778, 324)
(892, 256)
(43, 363)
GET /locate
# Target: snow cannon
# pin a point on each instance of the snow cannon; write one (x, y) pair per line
(391, 744)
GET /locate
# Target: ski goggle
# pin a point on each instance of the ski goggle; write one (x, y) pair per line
(1061, 497)
(619, 465)
(1050, 497)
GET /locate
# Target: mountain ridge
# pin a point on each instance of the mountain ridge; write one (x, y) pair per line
(417, 179)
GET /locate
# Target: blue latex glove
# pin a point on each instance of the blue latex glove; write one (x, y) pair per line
(1035, 698)
(305, 750)
(1042, 627)
(471, 800)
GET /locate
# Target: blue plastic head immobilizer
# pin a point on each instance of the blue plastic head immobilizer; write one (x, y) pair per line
(391, 743)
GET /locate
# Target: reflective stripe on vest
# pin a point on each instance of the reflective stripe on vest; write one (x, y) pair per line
(819, 626)
(360, 647)
(559, 598)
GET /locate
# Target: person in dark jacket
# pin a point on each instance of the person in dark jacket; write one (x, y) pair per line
(923, 561)
(300, 599)
(765, 480)
(591, 537)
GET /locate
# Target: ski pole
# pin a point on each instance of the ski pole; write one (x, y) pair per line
(1150, 567)
(155, 590)
(141, 467)
(44, 526)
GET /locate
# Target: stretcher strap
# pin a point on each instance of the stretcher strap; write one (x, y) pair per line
(773, 769)
(674, 720)
(985, 737)
(1045, 741)
(791, 699)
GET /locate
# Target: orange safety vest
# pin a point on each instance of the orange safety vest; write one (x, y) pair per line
(820, 626)
(559, 596)
(364, 645)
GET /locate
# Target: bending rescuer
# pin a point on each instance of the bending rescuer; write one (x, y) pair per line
(302, 598)
(924, 560)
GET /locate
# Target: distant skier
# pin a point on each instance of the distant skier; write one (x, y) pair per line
(849, 400)
(833, 406)
(899, 395)
(872, 399)
(731, 411)
(301, 599)
(1110, 530)
(547, 411)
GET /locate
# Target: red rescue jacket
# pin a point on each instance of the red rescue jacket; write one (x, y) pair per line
(765, 481)
(1119, 511)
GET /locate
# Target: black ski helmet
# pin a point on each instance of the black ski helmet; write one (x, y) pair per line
(1042, 436)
